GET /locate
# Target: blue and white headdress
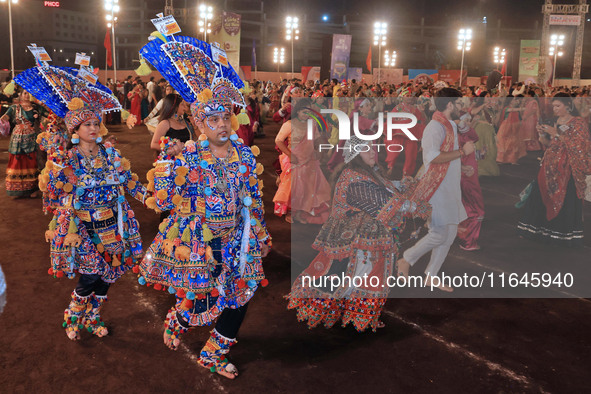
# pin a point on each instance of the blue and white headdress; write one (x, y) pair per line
(198, 71)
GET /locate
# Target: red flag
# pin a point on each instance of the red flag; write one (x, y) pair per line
(368, 60)
(504, 68)
(107, 45)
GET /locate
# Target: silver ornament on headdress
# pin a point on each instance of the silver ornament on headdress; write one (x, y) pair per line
(352, 149)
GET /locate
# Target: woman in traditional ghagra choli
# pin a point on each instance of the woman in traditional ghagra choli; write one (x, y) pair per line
(510, 144)
(360, 237)
(303, 191)
(553, 202)
(209, 251)
(93, 231)
(483, 120)
(531, 114)
(22, 169)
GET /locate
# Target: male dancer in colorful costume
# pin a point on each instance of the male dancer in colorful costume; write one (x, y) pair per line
(208, 251)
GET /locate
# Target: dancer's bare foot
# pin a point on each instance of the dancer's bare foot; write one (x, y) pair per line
(73, 335)
(402, 267)
(170, 342)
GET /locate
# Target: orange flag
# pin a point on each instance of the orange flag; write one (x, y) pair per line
(368, 60)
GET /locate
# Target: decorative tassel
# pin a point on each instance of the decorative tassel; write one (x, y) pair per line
(53, 224)
(208, 253)
(234, 122)
(9, 89)
(124, 115)
(173, 232)
(162, 226)
(207, 234)
(103, 130)
(72, 229)
(243, 117)
(143, 69)
(186, 238)
(116, 262)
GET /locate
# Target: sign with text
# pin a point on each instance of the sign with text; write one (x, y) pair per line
(40, 53)
(565, 20)
(82, 59)
(55, 4)
(87, 75)
(219, 55)
(166, 25)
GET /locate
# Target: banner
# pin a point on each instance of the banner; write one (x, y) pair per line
(565, 20)
(453, 76)
(341, 52)
(389, 75)
(310, 73)
(225, 30)
(529, 56)
(423, 75)
(355, 73)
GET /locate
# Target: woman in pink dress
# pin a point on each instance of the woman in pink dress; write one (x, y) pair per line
(303, 188)
(136, 96)
(510, 145)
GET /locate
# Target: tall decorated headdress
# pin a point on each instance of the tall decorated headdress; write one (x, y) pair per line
(72, 94)
(198, 71)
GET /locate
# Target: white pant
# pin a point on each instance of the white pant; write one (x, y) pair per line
(438, 240)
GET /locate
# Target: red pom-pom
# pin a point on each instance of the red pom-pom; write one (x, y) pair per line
(264, 283)
(136, 269)
(241, 284)
(118, 237)
(187, 304)
(215, 293)
(180, 293)
(50, 271)
(148, 284)
(59, 274)
(158, 286)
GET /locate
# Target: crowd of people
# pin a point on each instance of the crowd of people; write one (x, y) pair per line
(212, 237)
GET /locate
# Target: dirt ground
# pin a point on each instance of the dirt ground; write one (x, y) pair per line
(442, 345)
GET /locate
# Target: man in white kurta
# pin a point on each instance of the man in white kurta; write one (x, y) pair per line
(448, 210)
